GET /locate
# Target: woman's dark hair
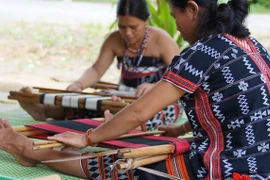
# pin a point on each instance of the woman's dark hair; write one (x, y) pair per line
(136, 8)
(217, 19)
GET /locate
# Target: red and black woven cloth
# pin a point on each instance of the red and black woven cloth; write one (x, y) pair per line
(82, 125)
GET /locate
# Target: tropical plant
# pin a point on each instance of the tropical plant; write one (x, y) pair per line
(161, 17)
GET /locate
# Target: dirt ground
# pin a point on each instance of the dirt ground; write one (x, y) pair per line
(48, 55)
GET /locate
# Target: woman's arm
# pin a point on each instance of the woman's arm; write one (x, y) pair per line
(138, 112)
(103, 62)
(128, 118)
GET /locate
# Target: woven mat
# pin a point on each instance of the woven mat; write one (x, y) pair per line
(10, 167)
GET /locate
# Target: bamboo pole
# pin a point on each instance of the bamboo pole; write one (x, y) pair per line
(34, 133)
(22, 128)
(103, 82)
(140, 162)
(48, 146)
(147, 151)
(26, 99)
(37, 143)
(149, 133)
(104, 86)
(49, 90)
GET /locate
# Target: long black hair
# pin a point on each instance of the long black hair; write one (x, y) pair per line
(217, 19)
(136, 8)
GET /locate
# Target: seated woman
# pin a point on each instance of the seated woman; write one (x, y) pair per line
(223, 80)
(143, 52)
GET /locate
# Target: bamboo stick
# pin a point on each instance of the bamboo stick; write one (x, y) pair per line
(140, 162)
(140, 134)
(104, 86)
(48, 146)
(37, 143)
(34, 132)
(104, 82)
(47, 90)
(26, 99)
(24, 94)
(114, 103)
(22, 128)
(147, 151)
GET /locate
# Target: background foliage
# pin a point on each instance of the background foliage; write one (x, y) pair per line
(161, 17)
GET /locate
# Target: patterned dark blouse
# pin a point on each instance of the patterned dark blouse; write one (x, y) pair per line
(149, 70)
(228, 105)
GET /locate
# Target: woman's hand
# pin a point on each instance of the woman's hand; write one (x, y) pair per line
(143, 88)
(73, 141)
(118, 99)
(75, 86)
(171, 130)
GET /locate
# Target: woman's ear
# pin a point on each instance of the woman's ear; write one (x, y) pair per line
(193, 9)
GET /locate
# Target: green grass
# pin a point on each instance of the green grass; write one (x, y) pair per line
(259, 9)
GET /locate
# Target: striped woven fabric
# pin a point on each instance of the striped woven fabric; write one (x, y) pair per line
(82, 125)
(73, 100)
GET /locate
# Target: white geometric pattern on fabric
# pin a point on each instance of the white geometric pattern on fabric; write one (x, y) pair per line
(217, 97)
(243, 104)
(193, 71)
(243, 86)
(177, 67)
(218, 113)
(201, 173)
(167, 116)
(226, 40)
(249, 66)
(263, 147)
(228, 167)
(204, 145)
(257, 116)
(235, 124)
(197, 135)
(209, 51)
(239, 153)
(191, 118)
(227, 75)
(264, 96)
(229, 141)
(268, 124)
(252, 164)
(206, 86)
(250, 135)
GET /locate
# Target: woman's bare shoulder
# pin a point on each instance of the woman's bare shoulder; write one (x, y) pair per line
(114, 36)
(115, 42)
(161, 33)
(162, 38)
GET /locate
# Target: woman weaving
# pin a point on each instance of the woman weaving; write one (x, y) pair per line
(223, 80)
(143, 52)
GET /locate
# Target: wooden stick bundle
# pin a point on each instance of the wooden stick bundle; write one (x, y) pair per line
(140, 162)
(105, 86)
(146, 151)
(50, 90)
(113, 106)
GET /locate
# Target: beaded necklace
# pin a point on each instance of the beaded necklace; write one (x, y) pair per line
(141, 49)
(143, 45)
